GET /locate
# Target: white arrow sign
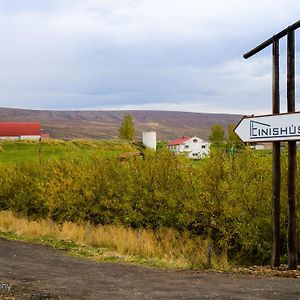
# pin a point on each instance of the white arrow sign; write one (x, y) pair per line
(283, 127)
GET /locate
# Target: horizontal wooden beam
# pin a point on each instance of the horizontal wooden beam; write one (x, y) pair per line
(269, 41)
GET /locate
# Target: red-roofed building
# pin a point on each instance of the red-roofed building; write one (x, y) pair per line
(20, 130)
(45, 136)
(179, 141)
(194, 147)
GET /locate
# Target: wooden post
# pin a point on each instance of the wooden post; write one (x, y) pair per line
(292, 156)
(276, 162)
(292, 151)
(209, 255)
(269, 41)
(40, 151)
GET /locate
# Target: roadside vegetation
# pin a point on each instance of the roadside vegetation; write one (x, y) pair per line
(165, 248)
(159, 206)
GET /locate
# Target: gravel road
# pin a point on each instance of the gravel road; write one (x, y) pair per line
(30, 271)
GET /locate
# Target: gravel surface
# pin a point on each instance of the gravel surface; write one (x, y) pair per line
(30, 271)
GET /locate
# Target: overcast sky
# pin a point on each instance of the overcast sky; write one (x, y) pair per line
(183, 55)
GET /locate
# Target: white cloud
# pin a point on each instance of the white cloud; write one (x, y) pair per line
(139, 53)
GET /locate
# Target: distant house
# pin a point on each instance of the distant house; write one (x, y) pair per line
(45, 136)
(194, 147)
(20, 130)
(262, 146)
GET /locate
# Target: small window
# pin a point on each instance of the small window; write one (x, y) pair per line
(186, 146)
(195, 140)
(203, 146)
(195, 154)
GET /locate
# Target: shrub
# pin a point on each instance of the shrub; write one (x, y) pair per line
(224, 198)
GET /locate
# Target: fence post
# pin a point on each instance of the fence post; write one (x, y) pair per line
(209, 255)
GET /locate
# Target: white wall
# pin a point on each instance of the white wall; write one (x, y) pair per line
(195, 147)
(30, 137)
(10, 138)
(22, 137)
(259, 147)
(149, 139)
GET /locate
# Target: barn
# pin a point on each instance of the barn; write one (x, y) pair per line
(20, 130)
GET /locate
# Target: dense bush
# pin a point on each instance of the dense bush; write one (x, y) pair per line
(225, 198)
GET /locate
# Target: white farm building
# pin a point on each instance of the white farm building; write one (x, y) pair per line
(149, 139)
(194, 147)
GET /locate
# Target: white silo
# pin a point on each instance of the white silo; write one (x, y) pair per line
(149, 139)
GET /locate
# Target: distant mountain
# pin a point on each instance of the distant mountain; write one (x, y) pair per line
(105, 124)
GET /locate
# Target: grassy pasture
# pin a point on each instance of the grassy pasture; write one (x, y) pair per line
(14, 152)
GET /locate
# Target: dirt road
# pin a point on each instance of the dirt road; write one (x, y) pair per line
(37, 272)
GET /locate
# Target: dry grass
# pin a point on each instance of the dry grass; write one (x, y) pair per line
(174, 249)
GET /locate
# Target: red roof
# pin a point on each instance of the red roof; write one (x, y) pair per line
(20, 128)
(45, 136)
(179, 141)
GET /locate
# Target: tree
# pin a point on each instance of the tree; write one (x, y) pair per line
(126, 130)
(217, 135)
(233, 140)
(161, 145)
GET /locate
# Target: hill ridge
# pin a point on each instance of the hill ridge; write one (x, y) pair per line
(104, 124)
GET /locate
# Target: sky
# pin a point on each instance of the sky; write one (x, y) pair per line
(179, 55)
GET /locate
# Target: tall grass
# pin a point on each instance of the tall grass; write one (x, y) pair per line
(168, 246)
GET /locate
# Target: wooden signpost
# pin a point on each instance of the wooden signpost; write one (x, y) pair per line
(277, 128)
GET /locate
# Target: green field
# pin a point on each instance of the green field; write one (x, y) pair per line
(14, 152)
